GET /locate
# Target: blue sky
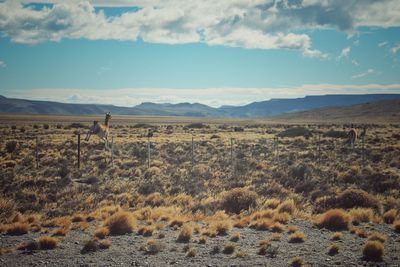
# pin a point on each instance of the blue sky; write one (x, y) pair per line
(127, 52)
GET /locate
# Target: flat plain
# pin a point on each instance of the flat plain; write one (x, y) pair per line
(199, 192)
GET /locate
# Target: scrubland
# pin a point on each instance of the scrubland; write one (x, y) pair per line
(242, 194)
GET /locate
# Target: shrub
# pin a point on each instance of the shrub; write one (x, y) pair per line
(373, 251)
(352, 198)
(292, 229)
(272, 203)
(202, 239)
(221, 227)
(333, 250)
(235, 237)
(196, 125)
(154, 199)
(335, 134)
(46, 126)
(277, 227)
(18, 228)
(238, 199)
(336, 236)
(185, 234)
(262, 224)
(101, 233)
(146, 230)
(361, 215)
(297, 237)
(153, 246)
(287, 206)
(47, 242)
(276, 237)
(297, 262)
(390, 216)
(376, 236)
(396, 226)
(228, 249)
(104, 244)
(334, 219)
(120, 223)
(30, 246)
(283, 217)
(296, 131)
(191, 253)
(90, 246)
(11, 146)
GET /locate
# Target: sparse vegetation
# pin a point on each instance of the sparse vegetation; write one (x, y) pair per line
(373, 251)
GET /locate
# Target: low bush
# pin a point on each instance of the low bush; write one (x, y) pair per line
(238, 199)
(47, 242)
(373, 251)
(334, 220)
(120, 223)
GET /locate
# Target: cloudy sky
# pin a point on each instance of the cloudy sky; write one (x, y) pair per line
(125, 52)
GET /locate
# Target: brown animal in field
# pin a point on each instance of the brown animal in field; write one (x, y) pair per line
(101, 130)
(352, 137)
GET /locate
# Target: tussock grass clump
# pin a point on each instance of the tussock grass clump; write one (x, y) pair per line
(202, 239)
(120, 223)
(78, 218)
(390, 216)
(191, 253)
(297, 262)
(264, 245)
(11, 146)
(101, 232)
(228, 249)
(104, 244)
(396, 226)
(333, 250)
(287, 206)
(361, 215)
(47, 242)
(185, 234)
(17, 228)
(336, 236)
(153, 246)
(90, 245)
(30, 246)
(283, 217)
(295, 132)
(235, 237)
(262, 224)
(242, 222)
(297, 237)
(146, 230)
(155, 199)
(276, 237)
(376, 236)
(292, 228)
(221, 227)
(373, 251)
(277, 227)
(238, 199)
(360, 232)
(272, 203)
(334, 220)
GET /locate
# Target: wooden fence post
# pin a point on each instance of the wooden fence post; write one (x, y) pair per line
(112, 151)
(37, 152)
(79, 150)
(192, 153)
(148, 153)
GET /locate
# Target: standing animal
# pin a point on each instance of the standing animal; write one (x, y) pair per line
(101, 130)
(352, 137)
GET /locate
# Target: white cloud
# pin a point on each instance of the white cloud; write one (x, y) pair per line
(355, 62)
(344, 53)
(368, 72)
(395, 48)
(382, 44)
(211, 96)
(262, 24)
(2, 64)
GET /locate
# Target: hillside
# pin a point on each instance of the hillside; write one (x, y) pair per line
(378, 112)
(267, 108)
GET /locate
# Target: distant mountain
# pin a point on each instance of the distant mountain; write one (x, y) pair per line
(387, 111)
(267, 108)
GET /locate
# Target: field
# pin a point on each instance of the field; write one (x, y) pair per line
(199, 192)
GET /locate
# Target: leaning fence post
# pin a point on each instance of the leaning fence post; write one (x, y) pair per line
(37, 152)
(112, 151)
(319, 147)
(79, 150)
(192, 153)
(148, 153)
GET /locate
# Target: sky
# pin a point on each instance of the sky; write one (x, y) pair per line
(226, 52)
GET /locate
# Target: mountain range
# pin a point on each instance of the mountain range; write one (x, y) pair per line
(266, 108)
